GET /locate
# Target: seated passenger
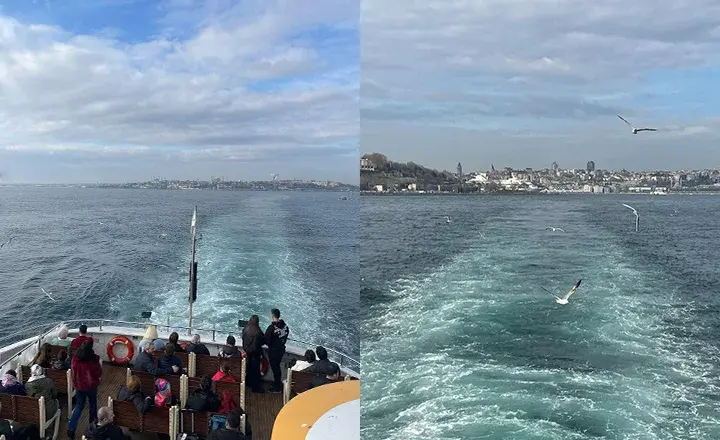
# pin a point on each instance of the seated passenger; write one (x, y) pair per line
(196, 347)
(145, 362)
(232, 430)
(62, 362)
(173, 340)
(78, 342)
(104, 428)
(62, 338)
(332, 376)
(132, 392)
(169, 361)
(204, 398)
(42, 357)
(159, 345)
(230, 350)
(10, 384)
(321, 367)
(307, 363)
(223, 374)
(40, 386)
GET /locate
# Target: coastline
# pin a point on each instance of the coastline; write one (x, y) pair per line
(533, 194)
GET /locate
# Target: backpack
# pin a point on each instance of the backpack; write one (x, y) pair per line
(163, 395)
(217, 421)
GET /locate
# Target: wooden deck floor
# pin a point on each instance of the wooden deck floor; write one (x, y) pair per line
(261, 408)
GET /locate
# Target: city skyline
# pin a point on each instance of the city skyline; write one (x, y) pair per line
(517, 83)
(118, 90)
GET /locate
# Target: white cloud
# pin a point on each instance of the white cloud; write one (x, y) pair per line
(204, 91)
(520, 65)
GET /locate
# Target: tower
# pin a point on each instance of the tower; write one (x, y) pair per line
(459, 171)
(555, 166)
(591, 166)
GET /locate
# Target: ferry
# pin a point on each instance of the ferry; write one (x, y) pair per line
(326, 412)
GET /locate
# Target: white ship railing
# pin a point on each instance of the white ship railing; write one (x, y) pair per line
(39, 332)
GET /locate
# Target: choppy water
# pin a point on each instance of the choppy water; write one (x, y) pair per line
(295, 251)
(459, 342)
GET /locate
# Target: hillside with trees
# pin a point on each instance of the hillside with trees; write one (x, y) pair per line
(398, 174)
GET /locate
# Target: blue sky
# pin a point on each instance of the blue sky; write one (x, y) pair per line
(118, 90)
(526, 83)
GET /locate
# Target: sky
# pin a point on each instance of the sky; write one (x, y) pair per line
(524, 83)
(126, 90)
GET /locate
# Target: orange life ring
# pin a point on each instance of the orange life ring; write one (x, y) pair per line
(264, 366)
(111, 350)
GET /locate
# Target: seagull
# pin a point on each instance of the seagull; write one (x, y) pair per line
(554, 229)
(447, 219)
(7, 242)
(564, 299)
(48, 295)
(635, 130)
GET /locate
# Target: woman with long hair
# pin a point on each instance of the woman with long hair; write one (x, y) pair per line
(253, 340)
(132, 392)
(86, 374)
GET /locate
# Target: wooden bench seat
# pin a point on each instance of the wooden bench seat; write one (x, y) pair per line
(297, 382)
(157, 420)
(237, 389)
(26, 409)
(199, 422)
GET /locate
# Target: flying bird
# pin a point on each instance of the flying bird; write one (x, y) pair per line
(447, 219)
(554, 229)
(7, 242)
(48, 295)
(564, 299)
(635, 130)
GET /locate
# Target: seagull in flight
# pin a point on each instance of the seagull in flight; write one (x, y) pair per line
(635, 130)
(564, 299)
(447, 219)
(48, 295)
(7, 242)
(554, 229)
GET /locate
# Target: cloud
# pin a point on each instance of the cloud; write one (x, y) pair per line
(556, 68)
(227, 80)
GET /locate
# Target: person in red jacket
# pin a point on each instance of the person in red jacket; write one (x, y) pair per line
(223, 375)
(82, 337)
(86, 375)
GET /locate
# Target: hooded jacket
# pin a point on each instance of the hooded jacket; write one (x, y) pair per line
(229, 351)
(276, 336)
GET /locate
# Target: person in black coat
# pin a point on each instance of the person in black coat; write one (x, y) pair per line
(232, 430)
(146, 362)
(332, 376)
(132, 392)
(276, 336)
(104, 428)
(253, 341)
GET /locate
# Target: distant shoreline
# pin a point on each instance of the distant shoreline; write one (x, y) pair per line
(534, 194)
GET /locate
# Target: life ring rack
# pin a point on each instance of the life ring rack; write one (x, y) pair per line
(124, 340)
